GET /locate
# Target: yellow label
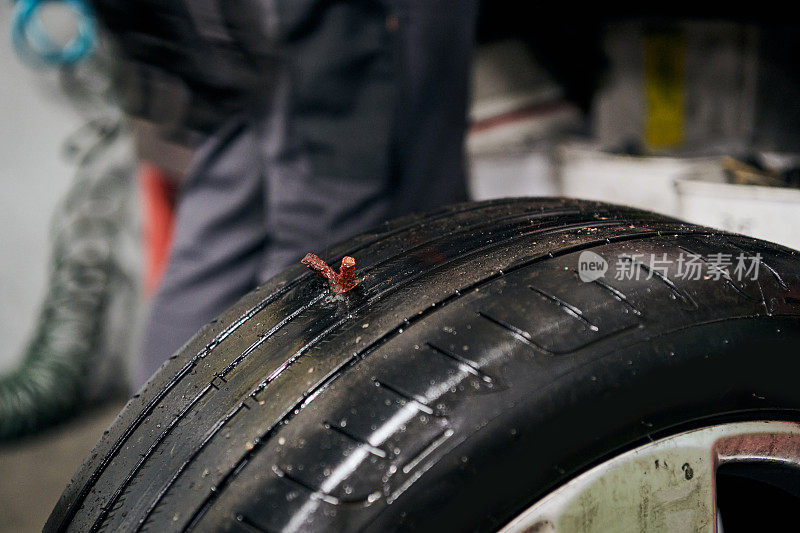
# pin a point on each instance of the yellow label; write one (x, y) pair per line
(664, 78)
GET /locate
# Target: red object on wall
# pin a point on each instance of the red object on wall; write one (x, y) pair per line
(158, 213)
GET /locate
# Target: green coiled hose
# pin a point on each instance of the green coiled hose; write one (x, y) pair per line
(65, 364)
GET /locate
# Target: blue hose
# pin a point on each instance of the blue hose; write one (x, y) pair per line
(36, 48)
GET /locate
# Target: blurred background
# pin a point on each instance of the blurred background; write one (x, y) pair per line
(695, 115)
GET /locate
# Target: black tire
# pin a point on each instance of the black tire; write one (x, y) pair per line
(470, 373)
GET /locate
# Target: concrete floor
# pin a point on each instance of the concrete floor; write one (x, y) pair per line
(34, 472)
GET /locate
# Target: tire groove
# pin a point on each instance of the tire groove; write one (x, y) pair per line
(374, 450)
(686, 298)
(315, 493)
(268, 334)
(761, 261)
(116, 497)
(568, 308)
(471, 367)
(616, 293)
(310, 395)
(418, 402)
(249, 524)
(78, 501)
(289, 361)
(214, 430)
(365, 272)
(185, 411)
(723, 273)
(518, 333)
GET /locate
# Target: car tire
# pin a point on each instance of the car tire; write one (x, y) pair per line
(474, 369)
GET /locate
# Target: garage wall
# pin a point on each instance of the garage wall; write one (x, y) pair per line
(34, 122)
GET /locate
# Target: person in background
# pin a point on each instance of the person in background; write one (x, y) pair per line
(319, 119)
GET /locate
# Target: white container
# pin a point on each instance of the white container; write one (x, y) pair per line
(503, 175)
(637, 181)
(770, 213)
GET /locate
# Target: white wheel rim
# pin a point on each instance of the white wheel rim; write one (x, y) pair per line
(666, 485)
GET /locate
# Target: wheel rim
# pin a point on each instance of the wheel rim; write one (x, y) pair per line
(666, 485)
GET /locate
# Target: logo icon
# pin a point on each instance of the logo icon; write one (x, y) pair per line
(591, 266)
